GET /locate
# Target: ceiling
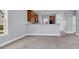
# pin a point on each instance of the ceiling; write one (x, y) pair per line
(48, 12)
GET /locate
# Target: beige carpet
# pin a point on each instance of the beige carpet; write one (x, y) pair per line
(70, 41)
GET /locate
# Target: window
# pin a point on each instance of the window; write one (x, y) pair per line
(32, 17)
(3, 22)
(52, 19)
(58, 19)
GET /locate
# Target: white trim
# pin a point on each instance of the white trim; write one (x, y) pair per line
(77, 34)
(74, 23)
(5, 23)
(45, 34)
(69, 31)
(6, 31)
(2, 34)
(8, 42)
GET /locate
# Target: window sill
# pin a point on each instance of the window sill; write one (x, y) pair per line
(2, 35)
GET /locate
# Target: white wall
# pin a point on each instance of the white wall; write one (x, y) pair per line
(48, 12)
(43, 29)
(16, 25)
(45, 19)
(40, 19)
(77, 22)
(60, 19)
(69, 22)
(66, 17)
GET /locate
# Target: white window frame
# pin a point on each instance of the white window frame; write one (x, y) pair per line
(5, 23)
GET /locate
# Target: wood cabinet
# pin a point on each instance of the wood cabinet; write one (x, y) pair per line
(32, 17)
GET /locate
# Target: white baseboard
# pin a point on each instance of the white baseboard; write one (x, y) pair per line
(69, 31)
(8, 42)
(45, 34)
(77, 34)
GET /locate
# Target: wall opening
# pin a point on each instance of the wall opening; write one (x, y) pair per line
(3, 23)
